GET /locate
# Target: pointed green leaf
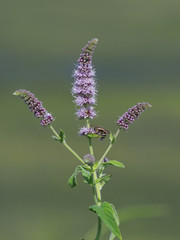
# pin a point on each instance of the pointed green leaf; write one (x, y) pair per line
(87, 175)
(62, 136)
(88, 168)
(95, 166)
(92, 135)
(103, 179)
(112, 138)
(72, 180)
(113, 163)
(55, 138)
(109, 216)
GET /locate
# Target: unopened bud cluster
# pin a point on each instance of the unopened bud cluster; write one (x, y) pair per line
(35, 106)
(84, 87)
(89, 159)
(128, 117)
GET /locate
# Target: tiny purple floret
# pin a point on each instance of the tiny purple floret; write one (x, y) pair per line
(84, 131)
(35, 106)
(84, 87)
(128, 117)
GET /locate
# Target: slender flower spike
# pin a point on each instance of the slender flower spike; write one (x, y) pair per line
(133, 113)
(84, 86)
(35, 106)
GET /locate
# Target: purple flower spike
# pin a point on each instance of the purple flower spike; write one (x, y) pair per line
(35, 106)
(133, 113)
(84, 86)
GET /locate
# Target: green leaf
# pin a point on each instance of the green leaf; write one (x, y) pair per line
(103, 179)
(62, 136)
(72, 180)
(92, 135)
(95, 166)
(87, 175)
(86, 167)
(113, 163)
(55, 138)
(109, 216)
(112, 138)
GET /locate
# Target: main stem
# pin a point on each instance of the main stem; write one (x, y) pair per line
(96, 189)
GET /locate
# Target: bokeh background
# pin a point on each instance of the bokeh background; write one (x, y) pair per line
(137, 59)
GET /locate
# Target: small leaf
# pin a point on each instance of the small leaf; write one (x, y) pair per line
(72, 180)
(113, 163)
(108, 214)
(88, 168)
(95, 166)
(55, 138)
(92, 135)
(103, 179)
(87, 175)
(62, 136)
(112, 138)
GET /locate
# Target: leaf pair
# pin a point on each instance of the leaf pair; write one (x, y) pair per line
(61, 136)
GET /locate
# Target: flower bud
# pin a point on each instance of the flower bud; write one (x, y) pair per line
(89, 159)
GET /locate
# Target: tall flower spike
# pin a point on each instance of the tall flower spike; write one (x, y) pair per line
(133, 113)
(35, 106)
(84, 86)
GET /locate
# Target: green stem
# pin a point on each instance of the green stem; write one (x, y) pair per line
(67, 146)
(90, 140)
(54, 131)
(107, 150)
(99, 229)
(96, 189)
(73, 152)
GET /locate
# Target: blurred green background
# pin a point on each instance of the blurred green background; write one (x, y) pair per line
(137, 59)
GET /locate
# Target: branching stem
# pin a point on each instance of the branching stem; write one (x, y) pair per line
(67, 146)
(107, 150)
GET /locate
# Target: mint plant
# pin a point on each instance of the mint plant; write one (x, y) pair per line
(93, 170)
